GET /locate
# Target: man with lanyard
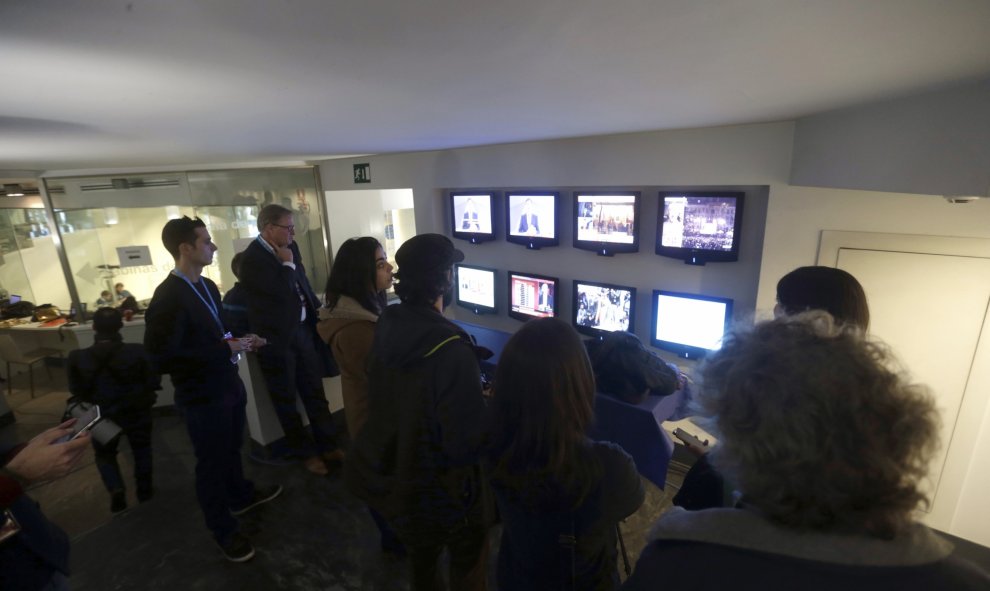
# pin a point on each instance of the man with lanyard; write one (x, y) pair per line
(186, 338)
(282, 309)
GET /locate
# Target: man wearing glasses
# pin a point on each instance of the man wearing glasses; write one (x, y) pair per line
(282, 309)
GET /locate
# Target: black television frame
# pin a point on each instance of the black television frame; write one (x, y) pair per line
(523, 316)
(605, 248)
(532, 242)
(472, 237)
(478, 309)
(680, 349)
(597, 332)
(697, 256)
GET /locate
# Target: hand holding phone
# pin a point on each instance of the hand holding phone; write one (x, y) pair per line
(83, 423)
(43, 459)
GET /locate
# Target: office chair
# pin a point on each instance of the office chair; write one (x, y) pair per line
(10, 353)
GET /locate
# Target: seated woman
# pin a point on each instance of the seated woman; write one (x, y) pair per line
(560, 494)
(805, 288)
(827, 447)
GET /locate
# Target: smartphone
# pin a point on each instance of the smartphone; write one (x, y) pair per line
(83, 423)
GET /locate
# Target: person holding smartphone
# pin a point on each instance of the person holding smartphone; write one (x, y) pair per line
(34, 552)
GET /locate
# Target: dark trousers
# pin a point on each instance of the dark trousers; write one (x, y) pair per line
(467, 543)
(217, 433)
(297, 369)
(136, 426)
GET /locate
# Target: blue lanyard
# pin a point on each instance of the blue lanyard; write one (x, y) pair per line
(210, 304)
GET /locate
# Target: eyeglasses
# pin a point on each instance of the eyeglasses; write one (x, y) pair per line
(290, 228)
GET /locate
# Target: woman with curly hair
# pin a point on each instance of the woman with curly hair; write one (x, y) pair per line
(827, 446)
(560, 494)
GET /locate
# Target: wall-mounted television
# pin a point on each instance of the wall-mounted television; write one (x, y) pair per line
(472, 216)
(532, 296)
(601, 308)
(475, 289)
(699, 227)
(689, 325)
(607, 223)
(531, 218)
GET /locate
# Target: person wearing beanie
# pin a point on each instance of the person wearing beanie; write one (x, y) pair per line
(119, 377)
(417, 459)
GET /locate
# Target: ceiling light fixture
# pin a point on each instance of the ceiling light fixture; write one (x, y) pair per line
(13, 190)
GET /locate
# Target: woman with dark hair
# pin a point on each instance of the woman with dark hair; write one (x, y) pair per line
(355, 297)
(823, 288)
(828, 446)
(560, 494)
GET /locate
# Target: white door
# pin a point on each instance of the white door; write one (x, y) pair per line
(929, 300)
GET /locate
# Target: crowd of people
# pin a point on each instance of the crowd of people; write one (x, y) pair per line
(822, 442)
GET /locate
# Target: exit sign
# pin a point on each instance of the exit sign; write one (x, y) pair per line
(362, 173)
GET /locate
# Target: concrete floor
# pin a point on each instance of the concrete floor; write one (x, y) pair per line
(315, 536)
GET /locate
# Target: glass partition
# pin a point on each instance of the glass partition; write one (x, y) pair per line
(111, 227)
(28, 259)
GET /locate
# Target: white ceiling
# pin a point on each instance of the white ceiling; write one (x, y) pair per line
(116, 83)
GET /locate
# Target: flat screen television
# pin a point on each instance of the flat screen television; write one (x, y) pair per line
(472, 216)
(531, 218)
(689, 325)
(532, 296)
(475, 289)
(607, 223)
(700, 227)
(601, 308)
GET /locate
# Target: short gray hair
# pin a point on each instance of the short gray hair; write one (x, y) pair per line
(816, 430)
(271, 214)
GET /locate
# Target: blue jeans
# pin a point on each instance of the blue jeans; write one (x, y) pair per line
(217, 433)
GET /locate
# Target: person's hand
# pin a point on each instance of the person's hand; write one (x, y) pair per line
(284, 254)
(255, 342)
(43, 459)
(237, 345)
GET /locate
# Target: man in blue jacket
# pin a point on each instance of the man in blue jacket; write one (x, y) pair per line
(186, 336)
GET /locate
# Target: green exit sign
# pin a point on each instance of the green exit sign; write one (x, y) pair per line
(362, 173)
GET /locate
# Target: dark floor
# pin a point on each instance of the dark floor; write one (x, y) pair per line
(315, 536)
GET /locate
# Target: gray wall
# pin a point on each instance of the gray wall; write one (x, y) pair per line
(936, 144)
(754, 159)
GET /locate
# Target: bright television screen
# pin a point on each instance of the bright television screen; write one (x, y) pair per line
(531, 218)
(532, 296)
(476, 288)
(471, 216)
(687, 324)
(601, 307)
(700, 227)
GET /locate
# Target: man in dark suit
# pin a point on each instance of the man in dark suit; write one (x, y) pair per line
(186, 337)
(282, 309)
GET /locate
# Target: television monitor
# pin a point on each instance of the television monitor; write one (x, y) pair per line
(472, 216)
(14, 299)
(607, 223)
(700, 227)
(531, 219)
(476, 289)
(601, 308)
(689, 325)
(532, 296)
